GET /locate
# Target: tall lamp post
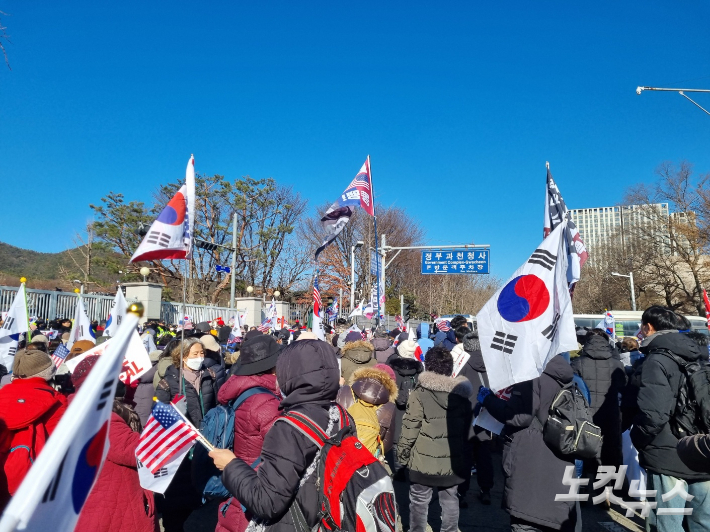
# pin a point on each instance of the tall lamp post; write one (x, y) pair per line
(630, 277)
(682, 92)
(357, 245)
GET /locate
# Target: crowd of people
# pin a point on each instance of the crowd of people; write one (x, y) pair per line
(413, 406)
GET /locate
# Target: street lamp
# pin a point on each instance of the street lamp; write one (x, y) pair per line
(250, 289)
(357, 245)
(682, 92)
(277, 293)
(145, 272)
(630, 277)
(80, 284)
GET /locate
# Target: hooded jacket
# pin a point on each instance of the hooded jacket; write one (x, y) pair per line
(660, 383)
(406, 371)
(373, 387)
(475, 371)
(435, 430)
(605, 378)
(356, 355)
(307, 373)
(533, 473)
(252, 421)
(425, 343)
(29, 412)
(383, 349)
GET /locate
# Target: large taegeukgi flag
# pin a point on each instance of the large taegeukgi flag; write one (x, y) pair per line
(529, 320)
(170, 235)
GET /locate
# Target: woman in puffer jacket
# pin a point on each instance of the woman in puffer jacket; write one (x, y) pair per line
(369, 399)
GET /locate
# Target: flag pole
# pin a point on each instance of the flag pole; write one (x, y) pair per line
(377, 250)
(28, 337)
(184, 310)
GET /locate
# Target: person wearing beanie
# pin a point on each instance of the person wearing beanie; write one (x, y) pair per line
(117, 502)
(406, 348)
(29, 412)
(433, 440)
(80, 347)
(356, 354)
(383, 346)
(253, 385)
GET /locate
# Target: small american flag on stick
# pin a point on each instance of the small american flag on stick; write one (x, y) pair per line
(60, 354)
(165, 434)
(443, 326)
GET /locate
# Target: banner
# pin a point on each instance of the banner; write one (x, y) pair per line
(136, 361)
(15, 323)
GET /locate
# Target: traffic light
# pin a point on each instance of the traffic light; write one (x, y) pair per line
(405, 312)
(209, 246)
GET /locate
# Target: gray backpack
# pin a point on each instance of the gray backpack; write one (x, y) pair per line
(569, 429)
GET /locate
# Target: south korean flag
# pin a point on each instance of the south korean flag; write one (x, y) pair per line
(14, 324)
(529, 320)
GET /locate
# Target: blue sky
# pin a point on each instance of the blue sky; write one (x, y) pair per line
(459, 105)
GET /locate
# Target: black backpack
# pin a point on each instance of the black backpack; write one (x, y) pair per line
(405, 388)
(569, 429)
(691, 414)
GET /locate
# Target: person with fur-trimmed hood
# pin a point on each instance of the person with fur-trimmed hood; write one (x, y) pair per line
(356, 354)
(369, 398)
(433, 441)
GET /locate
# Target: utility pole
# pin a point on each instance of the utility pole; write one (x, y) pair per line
(234, 259)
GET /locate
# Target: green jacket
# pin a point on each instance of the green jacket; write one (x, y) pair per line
(435, 429)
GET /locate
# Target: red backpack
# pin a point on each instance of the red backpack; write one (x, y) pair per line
(355, 493)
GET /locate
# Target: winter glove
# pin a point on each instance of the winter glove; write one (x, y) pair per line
(477, 409)
(483, 392)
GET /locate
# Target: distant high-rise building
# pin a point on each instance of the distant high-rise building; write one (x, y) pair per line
(603, 227)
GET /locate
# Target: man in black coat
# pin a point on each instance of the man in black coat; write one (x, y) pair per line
(652, 433)
(533, 473)
(480, 442)
(605, 378)
(308, 376)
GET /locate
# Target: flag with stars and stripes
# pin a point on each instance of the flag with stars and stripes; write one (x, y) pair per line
(529, 320)
(165, 435)
(53, 492)
(60, 354)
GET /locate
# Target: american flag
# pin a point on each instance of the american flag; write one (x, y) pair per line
(265, 325)
(165, 435)
(60, 354)
(443, 326)
(317, 303)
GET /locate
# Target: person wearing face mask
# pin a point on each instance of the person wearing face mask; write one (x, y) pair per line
(29, 411)
(199, 386)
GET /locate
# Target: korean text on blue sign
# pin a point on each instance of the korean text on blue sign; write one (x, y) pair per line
(449, 261)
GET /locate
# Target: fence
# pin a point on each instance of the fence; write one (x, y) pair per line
(50, 305)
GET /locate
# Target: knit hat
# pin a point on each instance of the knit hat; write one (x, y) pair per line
(40, 338)
(403, 337)
(406, 348)
(82, 369)
(253, 334)
(386, 369)
(307, 335)
(353, 336)
(33, 363)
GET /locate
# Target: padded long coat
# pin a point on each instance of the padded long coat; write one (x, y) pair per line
(605, 378)
(435, 429)
(117, 503)
(533, 473)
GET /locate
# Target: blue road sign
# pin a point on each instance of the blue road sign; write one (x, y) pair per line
(224, 269)
(451, 261)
